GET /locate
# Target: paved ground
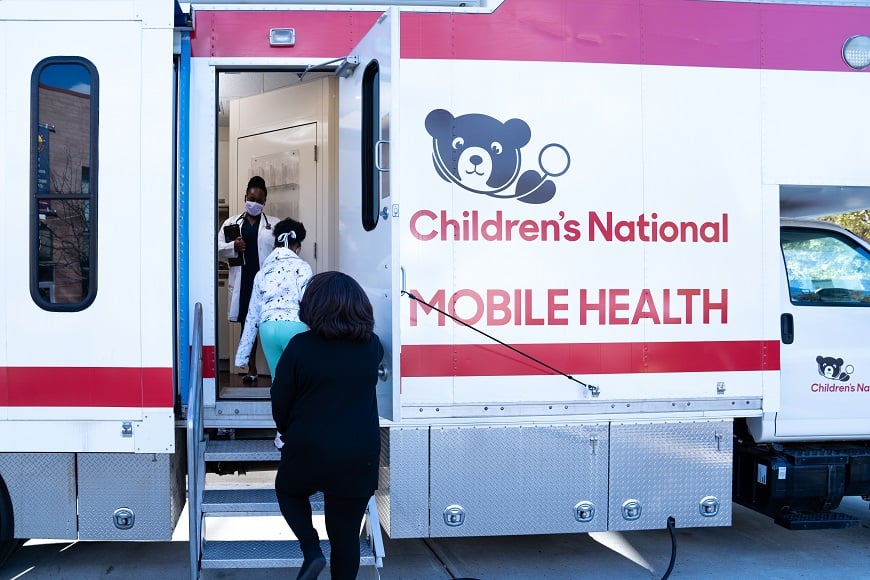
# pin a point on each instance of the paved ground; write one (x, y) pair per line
(753, 547)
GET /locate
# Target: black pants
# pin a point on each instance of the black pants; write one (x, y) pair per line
(343, 519)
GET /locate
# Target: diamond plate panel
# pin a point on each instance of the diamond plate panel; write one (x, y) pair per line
(518, 479)
(142, 483)
(240, 502)
(40, 484)
(178, 477)
(268, 554)
(243, 502)
(669, 468)
(403, 482)
(241, 450)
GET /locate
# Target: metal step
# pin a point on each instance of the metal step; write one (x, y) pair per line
(239, 414)
(267, 554)
(816, 521)
(248, 502)
(241, 450)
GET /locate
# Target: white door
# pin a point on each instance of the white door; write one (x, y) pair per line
(285, 158)
(825, 383)
(367, 171)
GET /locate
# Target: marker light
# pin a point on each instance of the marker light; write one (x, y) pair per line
(856, 52)
(282, 37)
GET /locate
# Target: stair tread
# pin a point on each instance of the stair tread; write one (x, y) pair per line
(267, 553)
(816, 520)
(241, 450)
(246, 501)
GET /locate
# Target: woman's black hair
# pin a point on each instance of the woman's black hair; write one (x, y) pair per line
(334, 306)
(257, 182)
(295, 231)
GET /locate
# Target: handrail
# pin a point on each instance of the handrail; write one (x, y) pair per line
(195, 439)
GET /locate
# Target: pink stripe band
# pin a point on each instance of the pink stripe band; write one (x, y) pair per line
(474, 360)
(656, 32)
(86, 387)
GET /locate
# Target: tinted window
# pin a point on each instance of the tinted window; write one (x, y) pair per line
(371, 115)
(63, 183)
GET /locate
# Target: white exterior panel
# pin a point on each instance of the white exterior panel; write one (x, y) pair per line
(803, 118)
(202, 191)
(673, 146)
(85, 430)
(156, 214)
(4, 119)
(119, 283)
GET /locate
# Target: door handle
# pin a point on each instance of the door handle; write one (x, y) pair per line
(786, 328)
(379, 155)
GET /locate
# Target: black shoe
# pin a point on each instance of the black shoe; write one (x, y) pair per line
(312, 568)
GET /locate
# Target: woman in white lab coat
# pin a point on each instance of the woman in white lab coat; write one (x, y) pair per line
(246, 253)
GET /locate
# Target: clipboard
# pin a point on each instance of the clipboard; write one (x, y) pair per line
(231, 232)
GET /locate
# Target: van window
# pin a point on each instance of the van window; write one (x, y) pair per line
(825, 268)
(371, 119)
(63, 183)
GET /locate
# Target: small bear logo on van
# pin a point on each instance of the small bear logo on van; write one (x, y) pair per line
(482, 155)
(832, 368)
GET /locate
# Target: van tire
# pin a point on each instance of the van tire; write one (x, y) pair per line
(8, 543)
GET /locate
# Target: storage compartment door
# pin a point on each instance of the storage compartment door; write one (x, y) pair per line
(680, 469)
(123, 496)
(518, 479)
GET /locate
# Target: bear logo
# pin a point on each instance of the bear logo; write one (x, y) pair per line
(832, 368)
(483, 155)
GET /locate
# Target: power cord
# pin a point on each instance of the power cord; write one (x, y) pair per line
(671, 524)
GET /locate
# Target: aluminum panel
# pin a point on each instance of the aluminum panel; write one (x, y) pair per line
(518, 479)
(402, 496)
(178, 477)
(141, 483)
(669, 468)
(241, 450)
(249, 554)
(43, 491)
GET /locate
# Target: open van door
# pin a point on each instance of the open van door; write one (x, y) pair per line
(367, 172)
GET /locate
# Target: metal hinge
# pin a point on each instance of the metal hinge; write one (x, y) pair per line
(315, 153)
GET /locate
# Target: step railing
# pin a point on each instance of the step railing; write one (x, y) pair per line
(195, 446)
(374, 533)
(196, 456)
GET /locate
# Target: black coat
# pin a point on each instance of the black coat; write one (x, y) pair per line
(325, 406)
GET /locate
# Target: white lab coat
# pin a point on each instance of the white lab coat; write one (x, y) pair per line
(265, 245)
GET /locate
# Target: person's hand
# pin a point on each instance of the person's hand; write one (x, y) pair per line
(239, 245)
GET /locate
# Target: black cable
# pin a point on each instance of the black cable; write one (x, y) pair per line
(671, 524)
(592, 388)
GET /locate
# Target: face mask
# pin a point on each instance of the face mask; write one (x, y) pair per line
(253, 208)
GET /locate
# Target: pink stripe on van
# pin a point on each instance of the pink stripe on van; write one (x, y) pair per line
(475, 360)
(652, 32)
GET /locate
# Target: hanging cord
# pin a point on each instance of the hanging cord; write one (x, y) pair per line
(595, 390)
(671, 523)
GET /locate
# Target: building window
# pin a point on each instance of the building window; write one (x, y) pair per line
(64, 107)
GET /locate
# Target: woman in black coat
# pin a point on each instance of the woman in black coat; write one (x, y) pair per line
(324, 404)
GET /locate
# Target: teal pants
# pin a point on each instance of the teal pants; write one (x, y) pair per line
(274, 336)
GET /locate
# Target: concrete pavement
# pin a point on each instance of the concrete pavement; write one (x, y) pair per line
(753, 547)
